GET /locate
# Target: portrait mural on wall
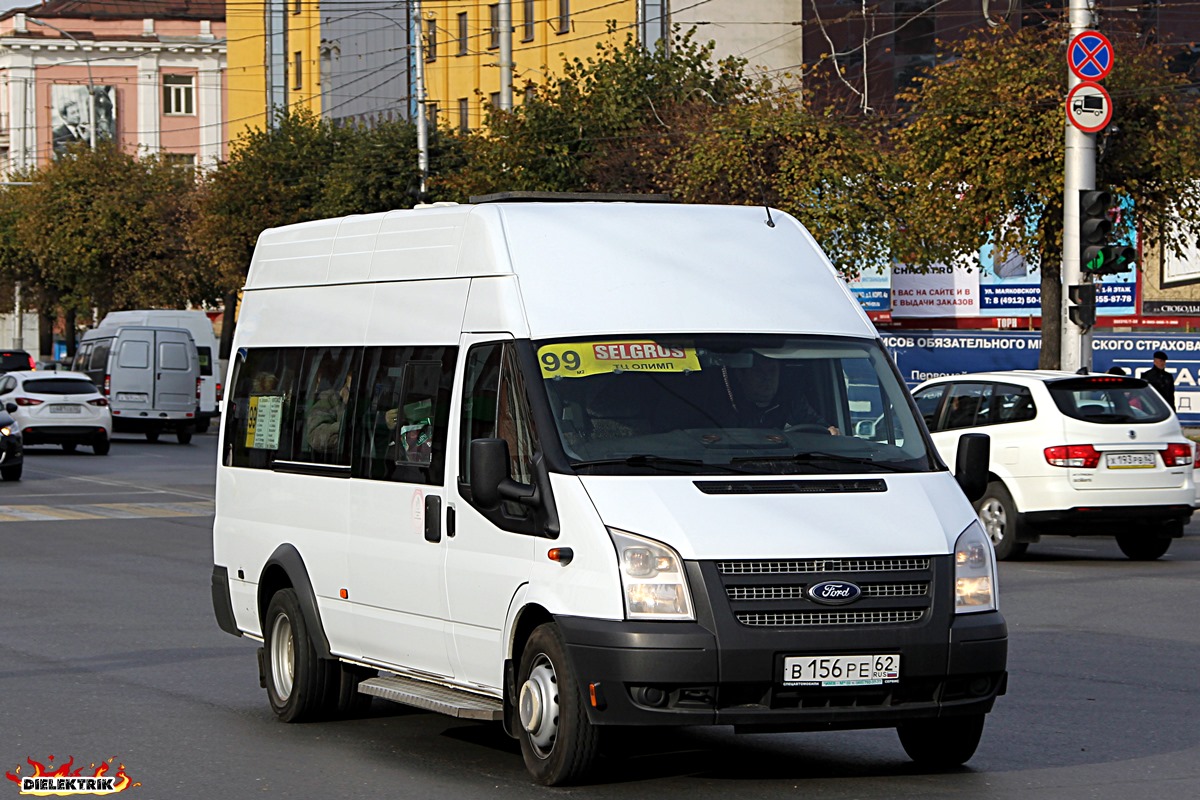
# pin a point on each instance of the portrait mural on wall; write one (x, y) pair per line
(69, 116)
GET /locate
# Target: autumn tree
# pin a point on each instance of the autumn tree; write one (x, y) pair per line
(100, 229)
(982, 153)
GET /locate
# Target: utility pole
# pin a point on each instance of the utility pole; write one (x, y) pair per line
(422, 121)
(506, 56)
(1079, 174)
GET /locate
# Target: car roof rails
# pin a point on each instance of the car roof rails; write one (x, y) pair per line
(569, 197)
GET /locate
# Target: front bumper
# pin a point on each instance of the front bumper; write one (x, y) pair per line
(718, 671)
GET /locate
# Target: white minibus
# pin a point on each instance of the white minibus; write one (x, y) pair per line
(585, 465)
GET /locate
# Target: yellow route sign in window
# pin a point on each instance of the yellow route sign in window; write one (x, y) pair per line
(580, 359)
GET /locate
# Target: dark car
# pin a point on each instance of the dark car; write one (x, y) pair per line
(11, 449)
(11, 360)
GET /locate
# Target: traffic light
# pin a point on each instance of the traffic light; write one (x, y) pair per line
(1094, 229)
(1114, 258)
(1083, 312)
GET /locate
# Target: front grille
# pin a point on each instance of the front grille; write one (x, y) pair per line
(830, 618)
(822, 565)
(776, 593)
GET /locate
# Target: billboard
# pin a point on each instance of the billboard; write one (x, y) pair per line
(70, 120)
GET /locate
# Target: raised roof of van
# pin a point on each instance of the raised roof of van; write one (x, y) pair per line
(723, 266)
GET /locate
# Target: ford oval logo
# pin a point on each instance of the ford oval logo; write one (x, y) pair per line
(835, 593)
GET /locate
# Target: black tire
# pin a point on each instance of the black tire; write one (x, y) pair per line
(184, 435)
(1001, 521)
(152, 436)
(69, 447)
(101, 446)
(12, 473)
(558, 742)
(1143, 545)
(942, 743)
(296, 677)
(202, 427)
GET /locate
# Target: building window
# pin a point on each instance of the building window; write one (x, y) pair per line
(181, 160)
(431, 113)
(493, 26)
(527, 22)
(297, 71)
(431, 40)
(464, 115)
(462, 34)
(563, 21)
(494, 99)
(178, 94)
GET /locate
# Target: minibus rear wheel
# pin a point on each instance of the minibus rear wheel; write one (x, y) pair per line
(942, 743)
(296, 677)
(558, 742)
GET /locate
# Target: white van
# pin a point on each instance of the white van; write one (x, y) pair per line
(518, 462)
(151, 377)
(198, 324)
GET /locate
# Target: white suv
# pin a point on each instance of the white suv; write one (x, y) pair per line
(1073, 454)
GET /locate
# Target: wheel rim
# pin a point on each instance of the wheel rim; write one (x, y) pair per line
(538, 706)
(282, 656)
(991, 514)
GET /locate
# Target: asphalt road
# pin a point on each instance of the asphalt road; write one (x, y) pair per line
(108, 649)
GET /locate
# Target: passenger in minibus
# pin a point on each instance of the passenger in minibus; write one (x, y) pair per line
(327, 417)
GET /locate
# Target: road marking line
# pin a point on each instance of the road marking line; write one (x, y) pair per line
(104, 511)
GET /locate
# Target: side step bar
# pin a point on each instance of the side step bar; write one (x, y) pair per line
(432, 697)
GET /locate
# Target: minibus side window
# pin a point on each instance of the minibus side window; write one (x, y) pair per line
(404, 402)
(496, 405)
(258, 416)
(325, 405)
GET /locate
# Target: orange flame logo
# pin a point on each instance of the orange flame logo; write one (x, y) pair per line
(121, 781)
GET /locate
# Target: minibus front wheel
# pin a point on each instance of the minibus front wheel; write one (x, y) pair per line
(295, 675)
(558, 742)
(942, 743)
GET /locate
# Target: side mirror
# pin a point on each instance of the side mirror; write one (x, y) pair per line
(10, 407)
(971, 464)
(490, 479)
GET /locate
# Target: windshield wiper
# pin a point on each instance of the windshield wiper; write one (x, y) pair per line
(654, 462)
(800, 458)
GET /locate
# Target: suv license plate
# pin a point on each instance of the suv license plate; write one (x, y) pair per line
(64, 409)
(1130, 460)
(859, 670)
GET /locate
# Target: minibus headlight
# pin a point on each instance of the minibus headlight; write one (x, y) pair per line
(974, 572)
(652, 578)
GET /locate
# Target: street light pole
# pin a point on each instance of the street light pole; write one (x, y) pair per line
(87, 62)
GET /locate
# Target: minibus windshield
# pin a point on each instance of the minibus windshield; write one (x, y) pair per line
(730, 403)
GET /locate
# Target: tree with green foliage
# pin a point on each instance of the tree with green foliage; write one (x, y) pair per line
(587, 128)
(982, 153)
(100, 229)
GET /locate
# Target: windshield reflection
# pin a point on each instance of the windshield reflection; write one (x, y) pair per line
(721, 404)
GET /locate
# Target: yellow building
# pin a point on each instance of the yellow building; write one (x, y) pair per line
(462, 47)
(273, 60)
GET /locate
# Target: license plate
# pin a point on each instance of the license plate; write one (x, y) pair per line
(861, 670)
(1130, 460)
(64, 409)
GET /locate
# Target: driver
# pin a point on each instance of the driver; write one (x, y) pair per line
(758, 402)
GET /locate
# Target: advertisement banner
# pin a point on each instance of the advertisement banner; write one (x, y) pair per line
(873, 288)
(937, 291)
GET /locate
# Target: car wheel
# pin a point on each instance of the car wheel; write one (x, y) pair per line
(558, 742)
(151, 436)
(184, 435)
(1143, 545)
(12, 473)
(1001, 521)
(942, 743)
(296, 677)
(69, 447)
(202, 427)
(101, 446)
